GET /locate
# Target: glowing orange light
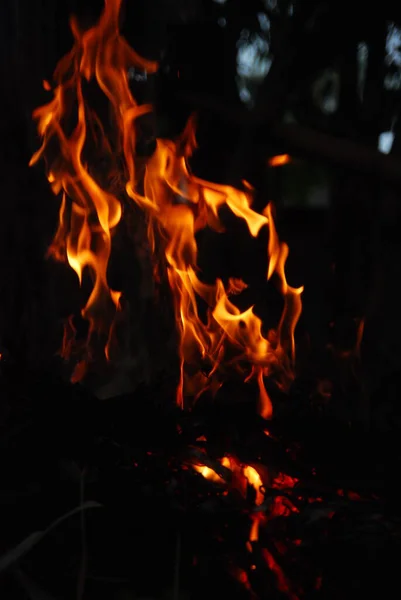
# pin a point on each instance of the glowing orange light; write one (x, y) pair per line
(254, 479)
(279, 160)
(178, 204)
(89, 212)
(209, 473)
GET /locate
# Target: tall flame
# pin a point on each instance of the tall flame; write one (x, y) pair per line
(178, 204)
(89, 212)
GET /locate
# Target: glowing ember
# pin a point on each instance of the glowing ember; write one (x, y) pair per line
(208, 473)
(253, 478)
(282, 583)
(211, 475)
(256, 520)
(246, 473)
(283, 481)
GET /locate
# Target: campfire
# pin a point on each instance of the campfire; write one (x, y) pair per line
(177, 204)
(243, 481)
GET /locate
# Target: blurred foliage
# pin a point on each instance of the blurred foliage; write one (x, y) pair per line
(300, 181)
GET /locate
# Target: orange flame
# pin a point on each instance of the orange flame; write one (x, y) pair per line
(254, 479)
(89, 213)
(279, 160)
(178, 205)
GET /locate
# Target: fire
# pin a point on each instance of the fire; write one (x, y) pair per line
(210, 474)
(253, 478)
(245, 474)
(89, 213)
(178, 204)
(282, 583)
(279, 160)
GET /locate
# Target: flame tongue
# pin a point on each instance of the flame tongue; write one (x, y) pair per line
(89, 212)
(178, 205)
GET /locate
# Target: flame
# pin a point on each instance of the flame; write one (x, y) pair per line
(279, 160)
(278, 253)
(89, 212)
(178, 204)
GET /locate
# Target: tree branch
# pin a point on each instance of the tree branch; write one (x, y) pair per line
(303, 141)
